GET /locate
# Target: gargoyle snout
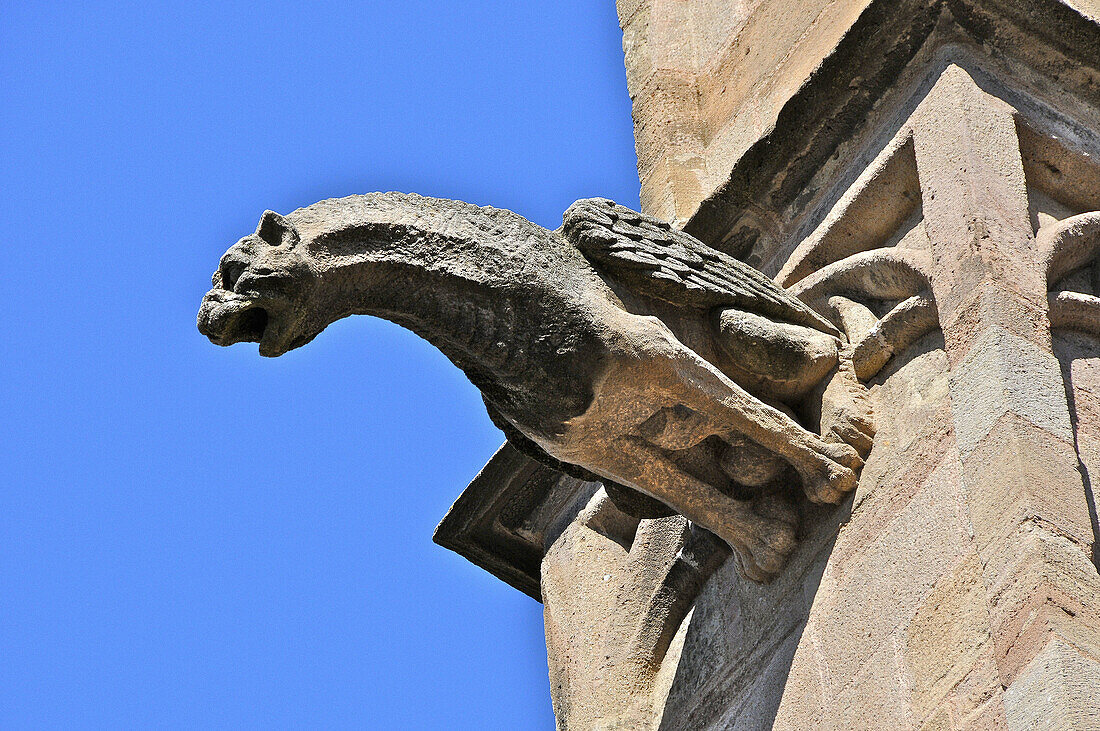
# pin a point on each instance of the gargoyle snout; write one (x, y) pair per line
(235, 274)
(226, 319)
(229, 271)
(274, 237)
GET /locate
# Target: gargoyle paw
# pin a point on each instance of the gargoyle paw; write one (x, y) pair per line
(764, 551)
(836, 475)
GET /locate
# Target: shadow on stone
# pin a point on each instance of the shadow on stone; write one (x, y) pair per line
(737, 647)
(1070, 347)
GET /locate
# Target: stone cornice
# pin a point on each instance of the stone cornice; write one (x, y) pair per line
(502, 519)
(850, 96)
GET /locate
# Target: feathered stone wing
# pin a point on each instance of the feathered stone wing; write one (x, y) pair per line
(653, 259)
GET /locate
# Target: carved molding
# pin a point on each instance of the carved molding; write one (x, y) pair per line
(506, 517)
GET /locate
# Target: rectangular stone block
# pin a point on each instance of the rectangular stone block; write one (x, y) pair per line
(889, 484)
(975, 702)
(1004, 373)
(664, 113)
(946, 641)
(871, 596)
(1049, 588)
(1055, 692)
(1003, 305)
(1020, 472)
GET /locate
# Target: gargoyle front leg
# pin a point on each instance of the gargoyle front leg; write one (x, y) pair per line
(828, 471)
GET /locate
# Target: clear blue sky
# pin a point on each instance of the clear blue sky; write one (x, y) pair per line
(197, 537)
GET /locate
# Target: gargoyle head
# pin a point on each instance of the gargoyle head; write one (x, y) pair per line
(263, 291)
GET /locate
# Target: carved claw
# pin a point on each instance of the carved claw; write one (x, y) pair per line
(835, 476)
(853, 429)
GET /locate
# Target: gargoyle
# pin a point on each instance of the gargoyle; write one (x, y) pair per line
(616, 348)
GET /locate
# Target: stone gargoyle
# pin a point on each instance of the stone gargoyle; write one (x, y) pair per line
(615, 348)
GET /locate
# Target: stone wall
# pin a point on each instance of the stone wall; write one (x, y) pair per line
(709, 79)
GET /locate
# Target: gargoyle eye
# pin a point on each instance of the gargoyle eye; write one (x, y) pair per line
(231, 271)
(276, 230)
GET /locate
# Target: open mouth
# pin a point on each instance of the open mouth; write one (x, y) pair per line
(227, 318)
(250, 325)
(256, 315)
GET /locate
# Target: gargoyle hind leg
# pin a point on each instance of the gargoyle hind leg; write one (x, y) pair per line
(761, 532)
(783, 360)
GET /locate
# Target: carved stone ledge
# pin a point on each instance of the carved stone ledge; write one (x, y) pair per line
(506, 517)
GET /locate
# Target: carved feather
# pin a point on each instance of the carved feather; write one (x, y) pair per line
(650, 257)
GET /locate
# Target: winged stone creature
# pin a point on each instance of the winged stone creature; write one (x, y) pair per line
(615, 348)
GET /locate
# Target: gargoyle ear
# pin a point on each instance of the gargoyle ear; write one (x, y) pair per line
(276, 230)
